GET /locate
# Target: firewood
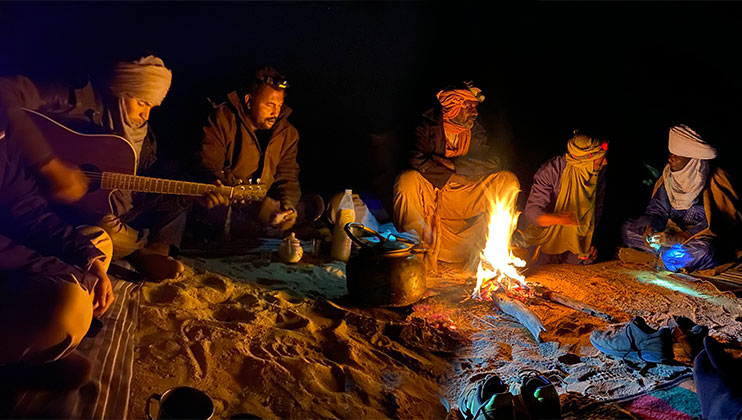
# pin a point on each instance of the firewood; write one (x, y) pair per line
(520, 312)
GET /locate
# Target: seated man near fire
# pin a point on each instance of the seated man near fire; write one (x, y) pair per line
(144, 227)
(52, 282)
(445, 197)
(565, 204)
(692, 221)
(249, 138)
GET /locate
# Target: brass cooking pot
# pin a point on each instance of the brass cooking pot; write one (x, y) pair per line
(384, 273)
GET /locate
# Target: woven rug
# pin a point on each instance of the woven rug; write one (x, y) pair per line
(111, 351)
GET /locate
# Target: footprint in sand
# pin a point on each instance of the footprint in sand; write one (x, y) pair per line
(247, 300)
(163, 293)
(215, 290)
(290, 321)
(164, 350)
(233, 314)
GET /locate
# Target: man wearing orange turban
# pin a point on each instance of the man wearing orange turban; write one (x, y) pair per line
(444, 197)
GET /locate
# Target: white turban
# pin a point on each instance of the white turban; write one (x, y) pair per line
(147, 79)
(684, 186)
(687, 143)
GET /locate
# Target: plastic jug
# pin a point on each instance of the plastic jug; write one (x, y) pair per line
(340, 240)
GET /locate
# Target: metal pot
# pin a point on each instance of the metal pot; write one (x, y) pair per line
(384, 273)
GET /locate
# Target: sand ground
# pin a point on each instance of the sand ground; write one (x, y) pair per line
(282, 341)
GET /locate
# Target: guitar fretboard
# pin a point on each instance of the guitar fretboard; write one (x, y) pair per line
(115, 181)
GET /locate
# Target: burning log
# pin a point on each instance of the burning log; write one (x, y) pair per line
(519, 311)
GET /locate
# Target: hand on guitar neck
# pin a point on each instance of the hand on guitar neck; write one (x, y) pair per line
(212, 199)
(67, 183)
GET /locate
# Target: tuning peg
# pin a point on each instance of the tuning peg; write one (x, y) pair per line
(239, 181)
(249, 181)
(242, 202)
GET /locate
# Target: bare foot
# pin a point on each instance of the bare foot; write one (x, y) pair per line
(156, 266)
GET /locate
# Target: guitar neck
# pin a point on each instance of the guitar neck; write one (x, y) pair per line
(115, 181)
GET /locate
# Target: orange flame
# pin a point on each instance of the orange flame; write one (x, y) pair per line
(497, 263)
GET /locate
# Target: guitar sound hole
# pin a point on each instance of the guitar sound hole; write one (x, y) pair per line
(94, 175)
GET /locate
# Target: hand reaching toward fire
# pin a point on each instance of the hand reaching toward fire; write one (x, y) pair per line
(564, 218)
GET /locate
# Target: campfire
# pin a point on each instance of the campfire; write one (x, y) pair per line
(498, 267)
(498, 275)
(499, 279)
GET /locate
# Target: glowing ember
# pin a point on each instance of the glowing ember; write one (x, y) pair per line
(498, 267)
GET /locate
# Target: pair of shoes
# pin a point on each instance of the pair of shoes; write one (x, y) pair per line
(532, 397)
(716, 375)
(687, 338)
(635, 341)
(536, 397)
(487, 399)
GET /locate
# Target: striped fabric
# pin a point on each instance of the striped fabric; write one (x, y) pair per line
(111, 352)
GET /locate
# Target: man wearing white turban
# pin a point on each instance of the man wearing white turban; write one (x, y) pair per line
(143, 227)
(693, 217)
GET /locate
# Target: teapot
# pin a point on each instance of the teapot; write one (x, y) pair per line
(384, 273)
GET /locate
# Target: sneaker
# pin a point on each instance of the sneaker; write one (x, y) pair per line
(716, 375)
(635, 341)
(487, 399)
(687, 338)
(537, 397)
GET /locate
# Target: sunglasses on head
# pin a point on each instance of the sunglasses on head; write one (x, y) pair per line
(278, 83)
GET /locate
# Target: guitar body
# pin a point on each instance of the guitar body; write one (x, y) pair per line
(92, 152)
(110, 162)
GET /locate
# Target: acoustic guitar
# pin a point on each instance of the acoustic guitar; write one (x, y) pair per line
(111, 164)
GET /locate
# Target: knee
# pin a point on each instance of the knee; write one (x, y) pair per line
(503, 180)
(408, 182)
(101, 239)
(61, 327)
(74, 312)
(111, 224)
(124, 239)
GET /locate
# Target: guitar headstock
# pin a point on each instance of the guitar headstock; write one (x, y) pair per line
(249, 192)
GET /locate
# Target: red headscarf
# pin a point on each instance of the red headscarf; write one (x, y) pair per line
(452, 101)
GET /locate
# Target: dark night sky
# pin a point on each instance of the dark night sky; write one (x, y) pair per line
(620, 70)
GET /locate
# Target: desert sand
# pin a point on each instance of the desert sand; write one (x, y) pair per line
(282, 341)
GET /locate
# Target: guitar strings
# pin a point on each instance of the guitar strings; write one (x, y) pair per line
(98, 176)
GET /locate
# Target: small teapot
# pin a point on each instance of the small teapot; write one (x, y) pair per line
(290, 249)
(386, 273)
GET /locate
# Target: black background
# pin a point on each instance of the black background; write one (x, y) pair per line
(623, 71)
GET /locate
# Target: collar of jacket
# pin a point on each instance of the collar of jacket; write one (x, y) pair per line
(433, 115)
(239, 104)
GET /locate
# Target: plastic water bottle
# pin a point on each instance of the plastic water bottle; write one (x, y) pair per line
(340, 240)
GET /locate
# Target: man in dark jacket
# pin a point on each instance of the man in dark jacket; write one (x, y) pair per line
(446, 195)
(143, 227)
(52, 278)
(249, 138)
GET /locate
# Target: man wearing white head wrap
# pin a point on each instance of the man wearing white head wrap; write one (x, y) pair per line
(693, 217)
(143, 227)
